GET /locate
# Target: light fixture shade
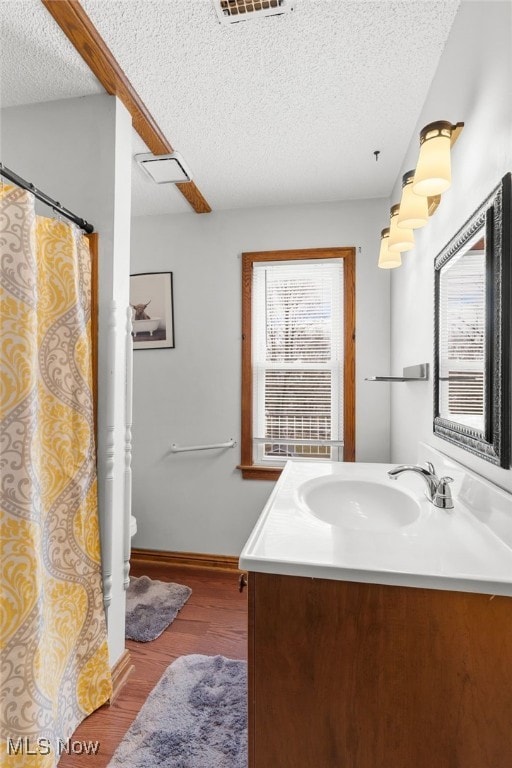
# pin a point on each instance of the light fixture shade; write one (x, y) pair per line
(399, 239)
(388, 259)
(433, 173)
(413, 212)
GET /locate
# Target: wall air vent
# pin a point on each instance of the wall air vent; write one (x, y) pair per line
(234, 11)
(164, 169)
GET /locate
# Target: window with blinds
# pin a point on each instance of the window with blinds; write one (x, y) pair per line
(297, 361)
(462, 337)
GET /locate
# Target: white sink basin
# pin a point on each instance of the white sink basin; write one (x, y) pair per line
(358, 504)
(349, 521)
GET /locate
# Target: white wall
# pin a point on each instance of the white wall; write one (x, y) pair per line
(198, 502)
(473, 84)
(79, 152)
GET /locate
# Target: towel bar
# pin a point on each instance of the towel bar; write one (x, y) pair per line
(184, 448)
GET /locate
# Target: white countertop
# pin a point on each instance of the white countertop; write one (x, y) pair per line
(466, 549)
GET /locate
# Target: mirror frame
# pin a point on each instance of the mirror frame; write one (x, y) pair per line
(494, 217)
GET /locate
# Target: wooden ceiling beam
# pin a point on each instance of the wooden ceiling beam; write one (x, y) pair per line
(79, 29)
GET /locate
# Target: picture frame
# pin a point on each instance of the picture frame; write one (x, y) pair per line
(152, 328)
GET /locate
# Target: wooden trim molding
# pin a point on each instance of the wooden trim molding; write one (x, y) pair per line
(254, 472)
(349, 363)
(121, 671)
(246, 420)
(248, 469)
(186, 559)
(79, 29)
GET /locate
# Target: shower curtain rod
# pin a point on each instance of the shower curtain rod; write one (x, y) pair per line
(44, 198)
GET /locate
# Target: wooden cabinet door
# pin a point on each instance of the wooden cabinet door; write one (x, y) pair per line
(346, 675)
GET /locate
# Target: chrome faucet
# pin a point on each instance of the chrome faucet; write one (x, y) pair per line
(438, 489)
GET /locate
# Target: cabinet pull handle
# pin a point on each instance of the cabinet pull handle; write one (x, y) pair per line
(242, 582)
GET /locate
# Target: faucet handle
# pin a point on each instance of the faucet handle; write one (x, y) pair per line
(430, 467)
(443, 495)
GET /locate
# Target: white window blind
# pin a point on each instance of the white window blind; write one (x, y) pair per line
(462, 339)
(297, 360)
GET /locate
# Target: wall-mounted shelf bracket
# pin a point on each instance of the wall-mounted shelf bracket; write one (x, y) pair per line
(410, 373)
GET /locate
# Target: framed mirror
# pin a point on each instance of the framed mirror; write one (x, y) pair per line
(472, 332)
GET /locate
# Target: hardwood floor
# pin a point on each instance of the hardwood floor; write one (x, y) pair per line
(213, 621)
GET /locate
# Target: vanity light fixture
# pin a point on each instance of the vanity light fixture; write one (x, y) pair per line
(388, 259)
(413, 212)
(399, 239)
(421, 188)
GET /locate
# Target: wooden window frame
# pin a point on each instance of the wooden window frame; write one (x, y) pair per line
(252, 471)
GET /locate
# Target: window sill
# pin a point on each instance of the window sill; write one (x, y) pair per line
(253, 472)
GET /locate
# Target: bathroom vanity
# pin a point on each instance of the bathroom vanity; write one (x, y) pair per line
(379, 640)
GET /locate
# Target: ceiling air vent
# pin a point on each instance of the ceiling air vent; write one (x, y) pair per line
(164, 169)
(234, 11)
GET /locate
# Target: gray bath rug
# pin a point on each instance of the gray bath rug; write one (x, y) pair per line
(195, 717)
(151, 606)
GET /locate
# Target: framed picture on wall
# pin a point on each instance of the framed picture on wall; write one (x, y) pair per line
(151, 301)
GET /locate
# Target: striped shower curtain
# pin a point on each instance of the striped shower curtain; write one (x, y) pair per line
(54, 655)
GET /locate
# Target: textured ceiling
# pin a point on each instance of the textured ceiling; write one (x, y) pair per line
(284, 110)
(38, 63)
